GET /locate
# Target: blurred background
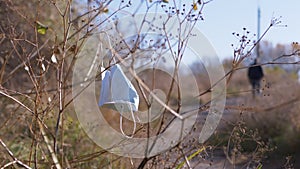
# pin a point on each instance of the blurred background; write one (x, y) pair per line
(40, 42)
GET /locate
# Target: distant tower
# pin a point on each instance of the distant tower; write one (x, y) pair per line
(258, 31)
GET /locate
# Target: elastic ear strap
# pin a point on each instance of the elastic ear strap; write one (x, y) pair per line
(121, 123)
(98, 53)
(110, 46)
(109, 42)
(94, 62)
(101, 57)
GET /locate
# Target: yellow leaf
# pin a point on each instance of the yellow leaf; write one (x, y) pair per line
(165, 1)
(41, 29)
(195, 6)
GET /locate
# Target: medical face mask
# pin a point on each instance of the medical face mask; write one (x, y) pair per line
(118, 93)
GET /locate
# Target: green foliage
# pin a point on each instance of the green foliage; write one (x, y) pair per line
(41, 29)
(259, 166)
(190, 157)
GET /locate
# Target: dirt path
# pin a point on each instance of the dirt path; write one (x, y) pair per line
(249, 106)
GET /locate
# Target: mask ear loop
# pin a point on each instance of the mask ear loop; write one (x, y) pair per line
(110, 49)
(134, 123)
(94, 63)
(122, 109)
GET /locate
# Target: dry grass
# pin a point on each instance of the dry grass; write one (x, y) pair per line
(273, 115)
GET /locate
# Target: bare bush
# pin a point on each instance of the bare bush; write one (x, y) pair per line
(42, 43)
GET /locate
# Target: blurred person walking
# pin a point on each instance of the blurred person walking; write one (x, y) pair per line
(255, 74)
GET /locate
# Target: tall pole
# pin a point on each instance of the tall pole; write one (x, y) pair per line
(258, 31)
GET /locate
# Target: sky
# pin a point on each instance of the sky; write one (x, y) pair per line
(223, 17)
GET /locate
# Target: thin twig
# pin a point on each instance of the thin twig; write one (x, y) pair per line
(52, 153)
(14, 99)
(16, 161)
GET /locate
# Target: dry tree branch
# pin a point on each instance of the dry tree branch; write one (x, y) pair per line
(15, 160)
(239, 56)
(52, 153)
(29, 58)
(16, 100)
(294, 53)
